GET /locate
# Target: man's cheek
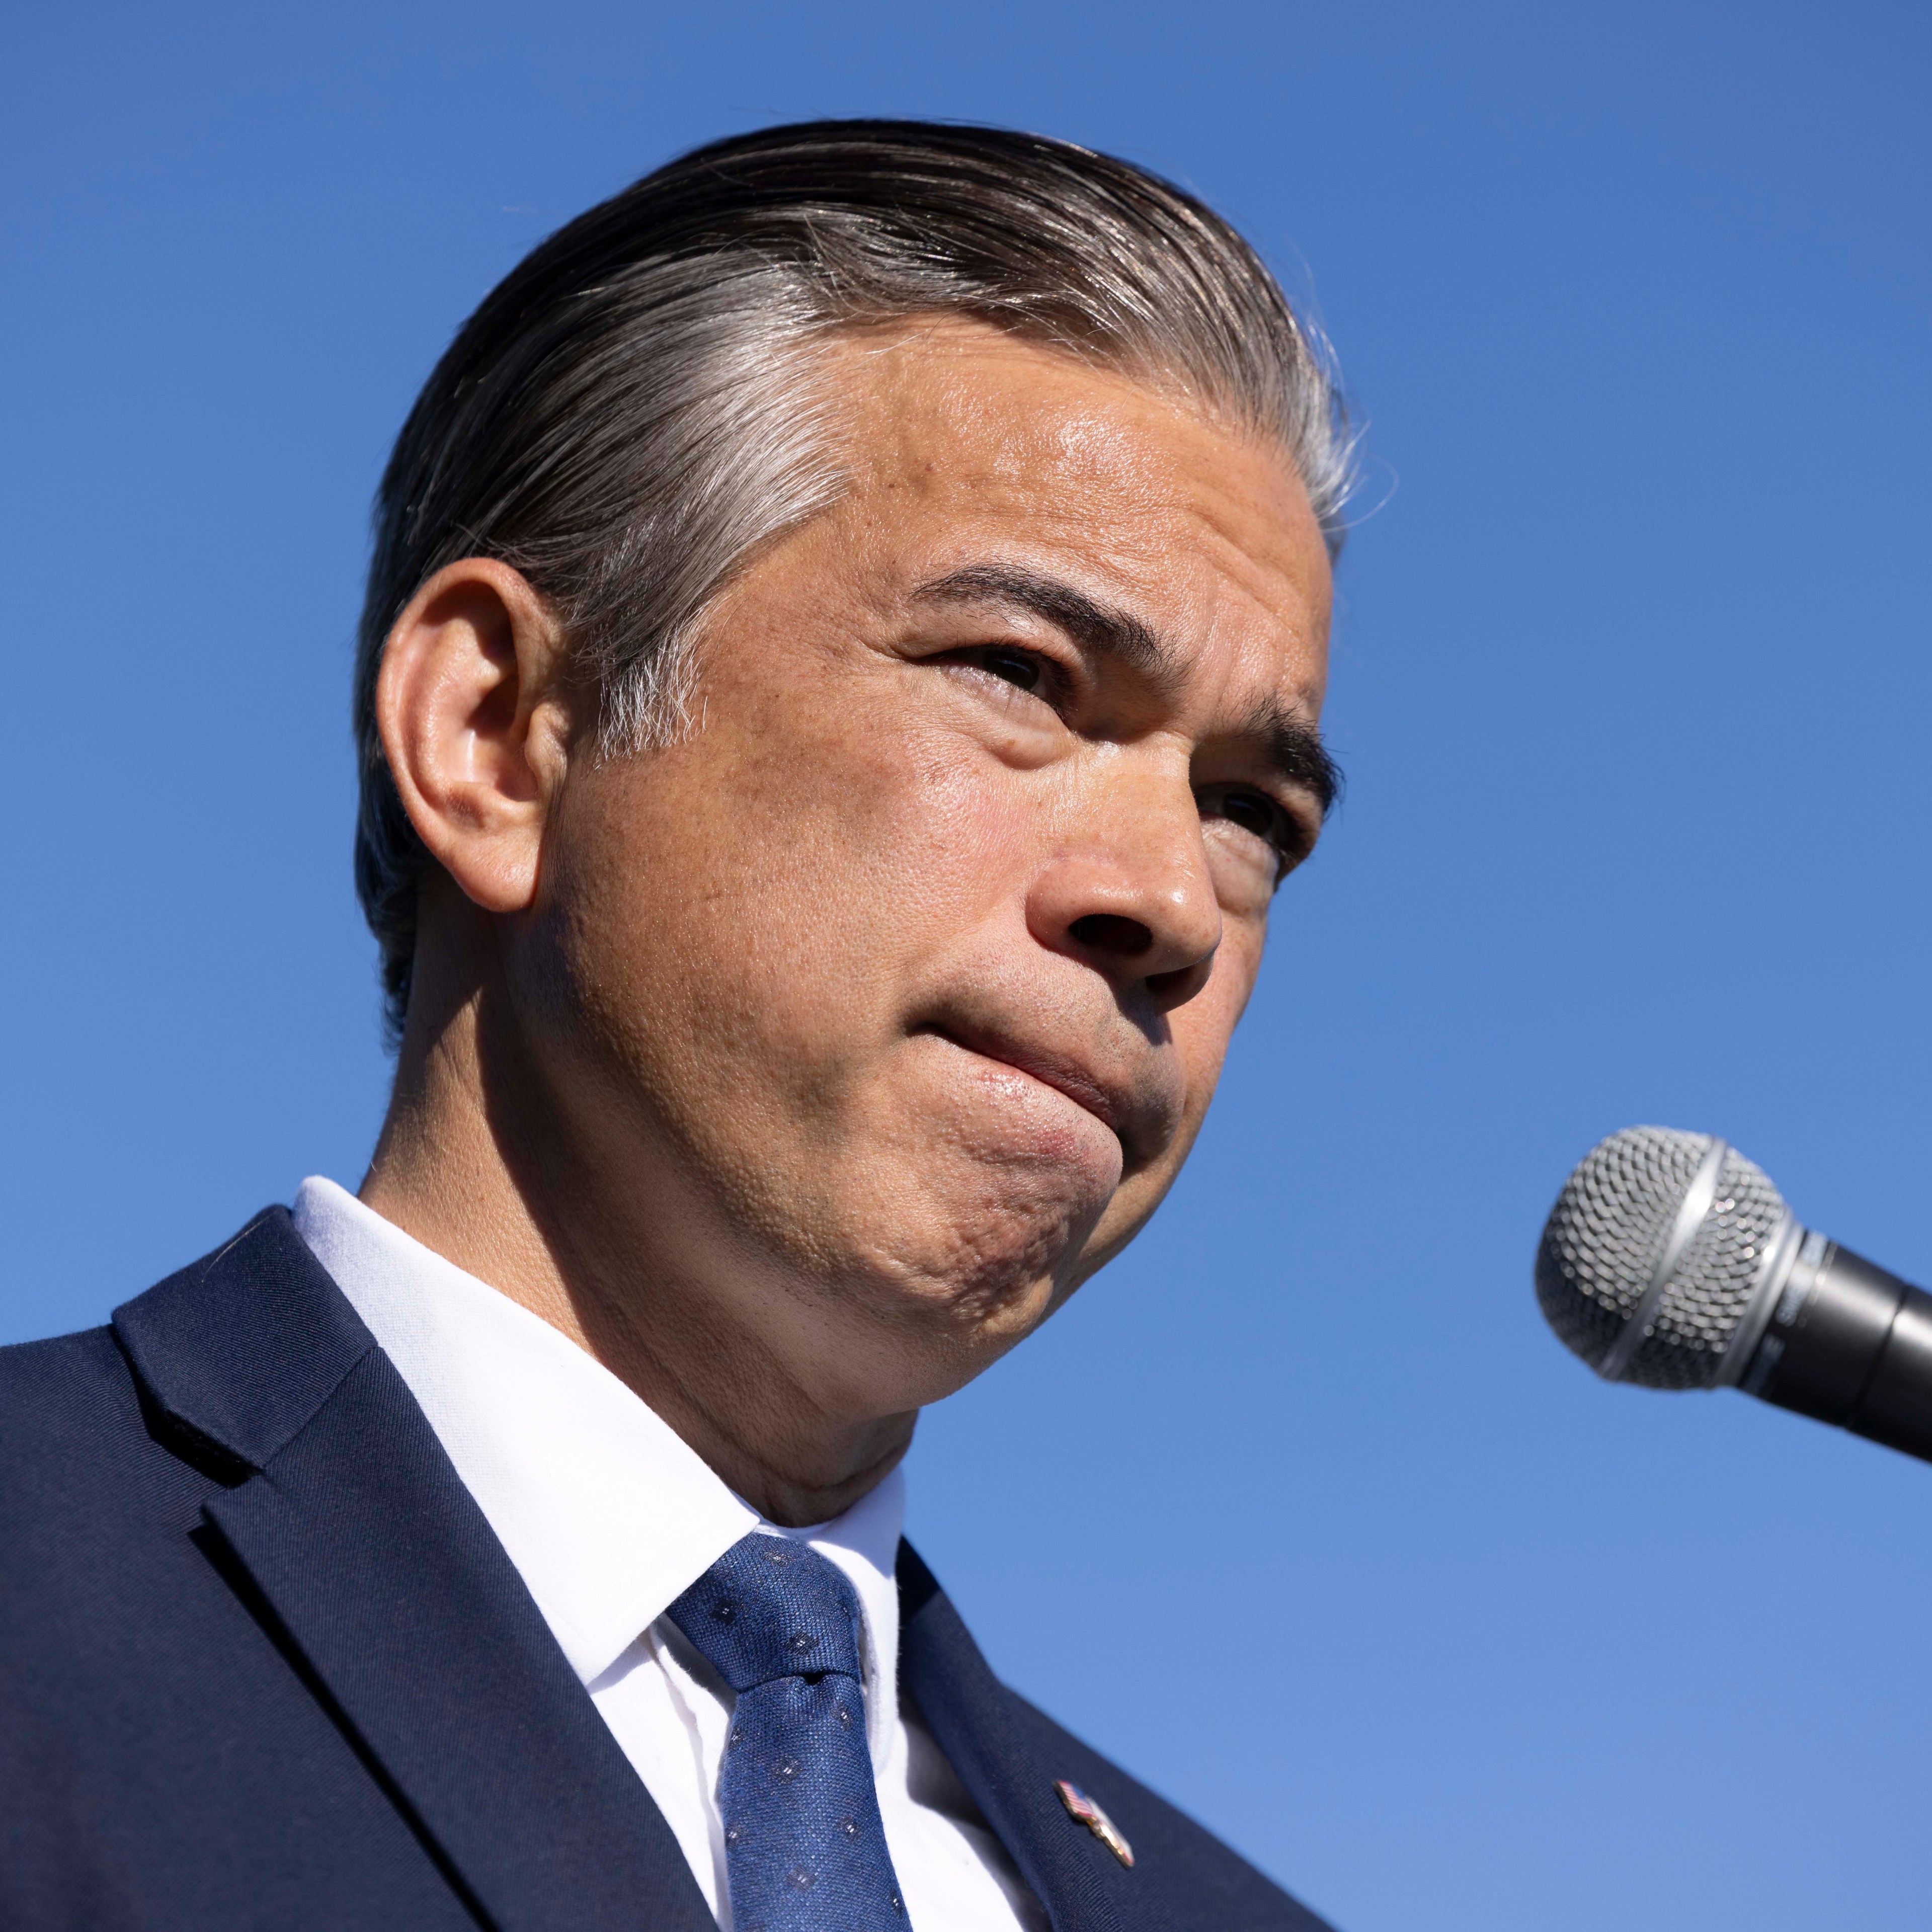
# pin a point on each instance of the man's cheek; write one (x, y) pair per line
(875, 791)
(961, 834)
(1202, 1031)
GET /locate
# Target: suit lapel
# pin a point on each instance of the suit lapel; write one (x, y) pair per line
(377, 1569)
(980, 1725)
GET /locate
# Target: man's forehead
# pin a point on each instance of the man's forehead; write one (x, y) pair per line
(966, 443)
(1011, 415)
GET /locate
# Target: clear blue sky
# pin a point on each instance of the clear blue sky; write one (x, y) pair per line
(1297, 1510)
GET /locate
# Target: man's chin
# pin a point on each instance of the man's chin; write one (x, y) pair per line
(984, 1276)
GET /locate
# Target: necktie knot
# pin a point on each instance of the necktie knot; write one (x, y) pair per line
(770, 1609)
(804, 1846)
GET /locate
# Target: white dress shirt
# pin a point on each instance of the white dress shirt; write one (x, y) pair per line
(609, 1517)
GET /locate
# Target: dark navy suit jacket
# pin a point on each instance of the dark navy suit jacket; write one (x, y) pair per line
(263, 1663)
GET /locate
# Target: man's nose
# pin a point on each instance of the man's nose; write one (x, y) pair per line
(1132, 896)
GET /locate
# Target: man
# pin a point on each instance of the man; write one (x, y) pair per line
(837, 697)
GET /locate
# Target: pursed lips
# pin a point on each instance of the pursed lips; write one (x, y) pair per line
(1142, 1122)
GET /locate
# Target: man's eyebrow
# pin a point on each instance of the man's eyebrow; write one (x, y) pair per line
(1093, 625)
(1292, 748)
(1295, 753)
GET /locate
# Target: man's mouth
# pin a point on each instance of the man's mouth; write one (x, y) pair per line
(1116, 1106)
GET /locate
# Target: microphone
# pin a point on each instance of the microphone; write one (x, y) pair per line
(1670, 1261)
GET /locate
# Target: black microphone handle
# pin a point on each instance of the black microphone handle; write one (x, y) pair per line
(1852, 1346)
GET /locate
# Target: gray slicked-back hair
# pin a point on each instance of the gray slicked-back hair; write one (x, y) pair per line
(635, 407)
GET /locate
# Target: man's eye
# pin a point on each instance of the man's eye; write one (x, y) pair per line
(1252, 814)
(1255, 812)
(1017, 667)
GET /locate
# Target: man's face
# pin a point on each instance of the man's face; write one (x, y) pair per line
(896, 992)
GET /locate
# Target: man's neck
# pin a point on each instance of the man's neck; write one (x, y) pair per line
(443, 1173)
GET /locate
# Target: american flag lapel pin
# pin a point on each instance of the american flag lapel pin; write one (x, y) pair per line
(1080, 1806)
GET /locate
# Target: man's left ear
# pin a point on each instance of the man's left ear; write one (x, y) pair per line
(474, 726)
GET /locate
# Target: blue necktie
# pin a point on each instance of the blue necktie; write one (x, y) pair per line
(803, 1845)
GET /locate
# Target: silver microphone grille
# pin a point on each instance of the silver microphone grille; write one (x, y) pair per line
(1620, 1220)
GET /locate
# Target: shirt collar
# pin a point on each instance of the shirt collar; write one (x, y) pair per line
(607, 1514)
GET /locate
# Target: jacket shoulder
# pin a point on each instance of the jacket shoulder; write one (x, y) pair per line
(66, 1404)
(124, 1431)
(167, 1761)
(84, 1462)
(39, 1381)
